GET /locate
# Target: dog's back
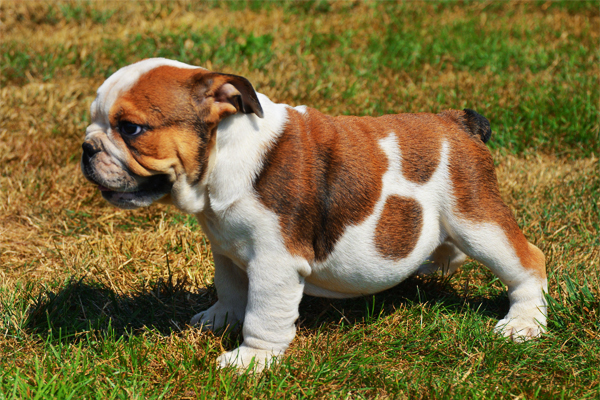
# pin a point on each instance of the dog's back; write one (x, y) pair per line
(326, 173)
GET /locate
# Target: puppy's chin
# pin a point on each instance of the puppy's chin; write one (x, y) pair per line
(131, 200)
(156, 188)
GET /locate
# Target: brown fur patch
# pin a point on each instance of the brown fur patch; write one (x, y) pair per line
(475, 188)
(399, 227)
(163, 100)
(420, 141)
(320, 177)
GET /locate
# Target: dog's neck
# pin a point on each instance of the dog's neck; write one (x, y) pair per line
(237, 157)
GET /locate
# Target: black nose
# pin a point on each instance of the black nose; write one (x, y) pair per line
(89, 149)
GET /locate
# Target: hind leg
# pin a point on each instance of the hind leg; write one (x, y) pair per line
(520, 265)
(447, 258)
(526, 317)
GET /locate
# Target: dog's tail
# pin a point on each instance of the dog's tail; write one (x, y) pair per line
(477, 125)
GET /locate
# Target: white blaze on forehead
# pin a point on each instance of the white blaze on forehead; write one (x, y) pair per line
(123, 80)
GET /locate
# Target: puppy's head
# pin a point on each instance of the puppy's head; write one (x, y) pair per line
(154, 125)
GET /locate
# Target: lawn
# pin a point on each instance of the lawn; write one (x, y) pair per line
(95, 301)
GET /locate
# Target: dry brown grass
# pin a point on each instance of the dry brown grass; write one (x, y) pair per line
(41, 178)
(54, 225)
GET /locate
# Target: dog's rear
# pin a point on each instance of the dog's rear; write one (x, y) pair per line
(477, 124)
(481, 225)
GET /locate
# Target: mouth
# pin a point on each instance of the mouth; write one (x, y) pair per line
(153, 189)
(125, 190)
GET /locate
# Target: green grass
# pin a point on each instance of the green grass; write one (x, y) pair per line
(362, 346)
(95, 302)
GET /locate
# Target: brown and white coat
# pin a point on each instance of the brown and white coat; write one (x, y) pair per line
(295, 201)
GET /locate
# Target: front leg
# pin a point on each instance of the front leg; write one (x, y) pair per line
(274, 294)
(232, 290)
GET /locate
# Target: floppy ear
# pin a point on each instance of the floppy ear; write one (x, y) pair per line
(227, 94)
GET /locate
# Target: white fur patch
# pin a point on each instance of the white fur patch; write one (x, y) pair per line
(356, 267)
(242, 143)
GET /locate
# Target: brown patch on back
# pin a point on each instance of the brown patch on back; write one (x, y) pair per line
(325, 173)
(475, 188)
(420, 142)
(320, 177)
(399, 227)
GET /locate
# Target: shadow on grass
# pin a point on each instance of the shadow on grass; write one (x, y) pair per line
(83, 305)
(433, 289)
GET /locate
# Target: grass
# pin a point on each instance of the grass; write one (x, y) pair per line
(95, 301)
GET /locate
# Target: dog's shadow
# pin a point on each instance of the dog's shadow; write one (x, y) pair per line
(428, 291)
(86, 305)
(167, 305)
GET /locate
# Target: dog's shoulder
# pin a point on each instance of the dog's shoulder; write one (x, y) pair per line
(320, 175)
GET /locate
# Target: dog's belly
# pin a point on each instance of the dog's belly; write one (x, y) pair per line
(357, 275)
(357, 267)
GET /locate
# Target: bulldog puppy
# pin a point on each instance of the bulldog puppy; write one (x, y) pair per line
(294, 201)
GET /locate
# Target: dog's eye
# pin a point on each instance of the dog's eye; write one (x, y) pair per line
(129, 128)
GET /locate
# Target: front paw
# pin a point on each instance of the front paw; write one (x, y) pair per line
(242, 357)
(216, 317)
(520, 329)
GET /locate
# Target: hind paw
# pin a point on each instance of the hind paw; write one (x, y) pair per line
(520, 329)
